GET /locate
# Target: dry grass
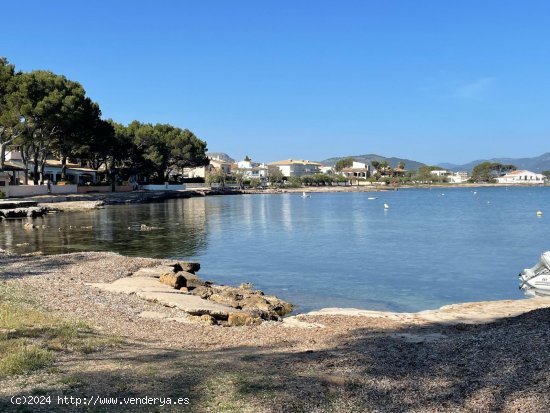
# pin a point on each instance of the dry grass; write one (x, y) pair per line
(31, 339)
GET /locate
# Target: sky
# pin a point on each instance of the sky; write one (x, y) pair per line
(428, 80)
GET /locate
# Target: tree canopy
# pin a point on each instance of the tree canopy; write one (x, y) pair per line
(344, 163)
(45, 115)
(488, 171)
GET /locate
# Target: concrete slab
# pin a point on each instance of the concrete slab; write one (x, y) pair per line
(150, 289)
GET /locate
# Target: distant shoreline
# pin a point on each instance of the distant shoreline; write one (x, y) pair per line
(88, 201)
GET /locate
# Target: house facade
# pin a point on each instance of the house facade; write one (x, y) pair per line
(215, 164)
(522, 177)
(357, 170)
(297, 167)
(251, 169)
(52, 170)
(452, 177)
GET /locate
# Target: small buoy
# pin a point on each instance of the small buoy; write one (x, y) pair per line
(386, 206)
(539, 213)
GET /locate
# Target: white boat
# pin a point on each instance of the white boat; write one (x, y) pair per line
(304, 195)
(386, 206)
(372, 197)
(536, 280)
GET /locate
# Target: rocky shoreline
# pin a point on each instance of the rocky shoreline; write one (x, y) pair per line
(467, 357)
(176, 285)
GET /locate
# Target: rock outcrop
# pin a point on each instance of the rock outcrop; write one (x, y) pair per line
(181, 276)
(29, 212)
(176, 285)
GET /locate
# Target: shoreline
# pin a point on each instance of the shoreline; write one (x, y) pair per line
(88, 201)
(470, 312)
(462, 357)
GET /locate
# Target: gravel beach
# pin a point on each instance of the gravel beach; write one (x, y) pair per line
(473, 357)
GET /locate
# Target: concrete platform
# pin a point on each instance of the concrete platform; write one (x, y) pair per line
(150, 289)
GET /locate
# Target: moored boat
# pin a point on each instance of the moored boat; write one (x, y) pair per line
(536, 280)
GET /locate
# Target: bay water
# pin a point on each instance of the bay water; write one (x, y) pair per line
(431, 247)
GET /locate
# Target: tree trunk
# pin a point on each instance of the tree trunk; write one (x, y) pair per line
(35, 177)
(64, 168)
(2, 155)
(113, 179)
(112, 171)
(3, 146)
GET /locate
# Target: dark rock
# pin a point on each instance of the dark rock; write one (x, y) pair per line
(187, 266)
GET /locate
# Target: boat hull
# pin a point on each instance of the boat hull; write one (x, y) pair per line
(535, 281)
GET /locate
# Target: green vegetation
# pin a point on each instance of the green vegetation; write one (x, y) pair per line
(488, 171)
(343, 163)
(216, 177)
(31, 340)
(46, 115)
(274, 175)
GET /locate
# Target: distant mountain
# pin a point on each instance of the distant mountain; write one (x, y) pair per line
(536, 164)
(409, 164)
(220, 155)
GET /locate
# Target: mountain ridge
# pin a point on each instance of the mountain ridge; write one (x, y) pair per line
(535, 164)
(410, 164)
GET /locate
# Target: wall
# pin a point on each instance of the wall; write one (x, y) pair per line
(165, 187)
(16, 191)
(83, 189)
(196, 186)
(63, 189)
(24, 190)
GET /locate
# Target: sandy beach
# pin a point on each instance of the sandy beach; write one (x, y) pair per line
(488, 356)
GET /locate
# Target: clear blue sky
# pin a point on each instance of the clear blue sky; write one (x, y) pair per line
(430, 80)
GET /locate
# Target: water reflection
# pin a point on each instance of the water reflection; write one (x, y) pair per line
(327, 250)
(179, 230)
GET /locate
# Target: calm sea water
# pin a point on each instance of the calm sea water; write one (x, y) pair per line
(430, 248)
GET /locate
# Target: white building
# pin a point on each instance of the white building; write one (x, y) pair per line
(215, 165)
(329, 170)
(251, 169)
(452, 177)
(440, 172)
(297, 167)
(522, 177)
(53, 169)
(356, 170)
